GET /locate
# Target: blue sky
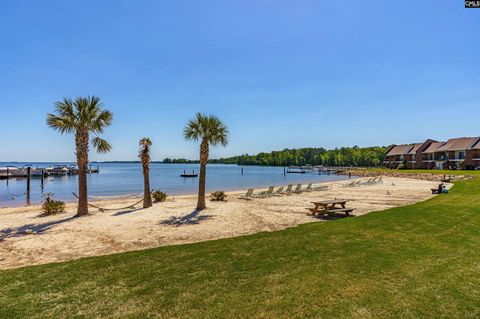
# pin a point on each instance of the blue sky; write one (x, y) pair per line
(279, 73)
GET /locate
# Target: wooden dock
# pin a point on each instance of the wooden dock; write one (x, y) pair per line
(24, 172)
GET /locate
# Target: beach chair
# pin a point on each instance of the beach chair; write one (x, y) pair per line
(349, 184)
(265, 194)
(279, 191)
(308, 188)
(298, 189)
(358, 183)
(369, 181)
(354, 184)
(320, 188)
(288, 191)
(248, 195)
(379, 180)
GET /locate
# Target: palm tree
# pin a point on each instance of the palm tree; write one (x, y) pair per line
(210, 130)
(82, 116)
(144, 155)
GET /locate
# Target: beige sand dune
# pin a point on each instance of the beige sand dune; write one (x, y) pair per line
(26, 239)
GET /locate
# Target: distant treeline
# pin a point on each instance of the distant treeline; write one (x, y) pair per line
(345, 156)
(179, 161)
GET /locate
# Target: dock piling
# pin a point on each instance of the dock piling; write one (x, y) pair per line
(28, 184)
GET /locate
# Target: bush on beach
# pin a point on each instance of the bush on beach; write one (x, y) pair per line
(218, 196)
(51, 206)
(159, 196)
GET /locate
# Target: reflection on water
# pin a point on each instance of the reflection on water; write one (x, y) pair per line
(119, 179)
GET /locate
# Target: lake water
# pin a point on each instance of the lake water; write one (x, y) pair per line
(122, 179)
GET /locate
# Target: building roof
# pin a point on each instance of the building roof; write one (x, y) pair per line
(399, 149)
(434, 147)
(477, 146)
(457, 144)
(415, 148)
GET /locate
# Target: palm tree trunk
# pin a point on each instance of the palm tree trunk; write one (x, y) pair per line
(203, 173)
(147, 197)
(81, 141)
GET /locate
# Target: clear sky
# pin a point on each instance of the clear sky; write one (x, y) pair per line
(279, 73)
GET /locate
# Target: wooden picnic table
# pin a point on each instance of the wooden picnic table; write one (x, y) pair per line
(330, 207)
(330, 204)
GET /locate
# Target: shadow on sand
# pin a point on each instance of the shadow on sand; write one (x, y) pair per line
(28, 229)
(128, 211)
(190, 219)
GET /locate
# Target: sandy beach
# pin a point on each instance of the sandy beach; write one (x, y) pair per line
(26, 239)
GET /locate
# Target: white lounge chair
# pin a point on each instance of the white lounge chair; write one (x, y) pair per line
(248, 195)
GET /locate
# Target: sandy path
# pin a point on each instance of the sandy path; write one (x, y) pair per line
(26, 239)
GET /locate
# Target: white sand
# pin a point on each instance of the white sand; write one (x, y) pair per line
(29, 239)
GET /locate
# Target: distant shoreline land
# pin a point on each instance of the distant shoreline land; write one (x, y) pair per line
(340, 157)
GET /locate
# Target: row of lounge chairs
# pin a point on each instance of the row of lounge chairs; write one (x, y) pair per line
(289, 190)
(361, 182)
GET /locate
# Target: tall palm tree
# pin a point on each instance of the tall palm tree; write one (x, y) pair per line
(82, 116)
(144, 155)
(210, 130)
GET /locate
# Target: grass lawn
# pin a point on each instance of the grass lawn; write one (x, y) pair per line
(419, 261)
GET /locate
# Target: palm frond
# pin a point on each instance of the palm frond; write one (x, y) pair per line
(196, 128)
(101, 145)
(144, 150)
(102, 119)
(64, 108)
(217, 131)
(61, 124)
(206, 127)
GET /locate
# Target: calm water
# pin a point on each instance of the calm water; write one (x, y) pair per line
(120, 179)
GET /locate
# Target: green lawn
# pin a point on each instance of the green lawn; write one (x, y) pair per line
(420, 261)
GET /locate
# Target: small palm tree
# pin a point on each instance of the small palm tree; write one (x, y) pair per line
(210, 130)
(82, 116)
(144, 155)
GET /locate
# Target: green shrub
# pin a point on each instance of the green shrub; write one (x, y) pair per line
(218, 196)
(51, 206)
(159, 196)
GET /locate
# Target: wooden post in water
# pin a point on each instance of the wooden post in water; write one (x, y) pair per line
(28, 185)
(8, 172)
(43, 178)
(242, 170)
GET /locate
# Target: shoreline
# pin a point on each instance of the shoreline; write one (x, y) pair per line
(27, 239)
(183, 193)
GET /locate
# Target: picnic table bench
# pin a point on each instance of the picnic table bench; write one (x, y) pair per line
(330, 207)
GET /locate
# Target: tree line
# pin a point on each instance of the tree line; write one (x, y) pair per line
(345, 156)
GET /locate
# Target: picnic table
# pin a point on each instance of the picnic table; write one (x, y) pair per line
(331, 207)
